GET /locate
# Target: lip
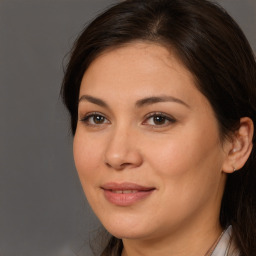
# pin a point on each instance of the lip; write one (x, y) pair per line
(126, 193)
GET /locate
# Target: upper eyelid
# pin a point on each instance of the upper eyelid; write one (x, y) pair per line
(85, 119)
(152, 114)
(89, 114)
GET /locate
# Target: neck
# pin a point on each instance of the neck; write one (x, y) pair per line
(197, 241)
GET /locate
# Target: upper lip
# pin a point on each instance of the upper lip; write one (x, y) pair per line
(125, 186)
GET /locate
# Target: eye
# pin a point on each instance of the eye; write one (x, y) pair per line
(159, 119)
(94, 119)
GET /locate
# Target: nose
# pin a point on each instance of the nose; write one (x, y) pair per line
(122, 151)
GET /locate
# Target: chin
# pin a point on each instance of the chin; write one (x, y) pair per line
(127, 228)
(127, 234)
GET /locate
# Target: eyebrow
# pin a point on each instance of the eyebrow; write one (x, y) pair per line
(93, 100)
(139, 103)
(164, 98)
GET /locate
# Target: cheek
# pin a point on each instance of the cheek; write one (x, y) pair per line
(88, 161)
(186, 169)
(172, 152)
(186, 158)
(87, 157)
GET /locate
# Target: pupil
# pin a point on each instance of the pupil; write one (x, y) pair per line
(159, 120)
(98, 119)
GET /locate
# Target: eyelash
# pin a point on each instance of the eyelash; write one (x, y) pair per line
(166, 118)
(87, 117)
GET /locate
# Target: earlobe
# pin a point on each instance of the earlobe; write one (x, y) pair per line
(241, 146)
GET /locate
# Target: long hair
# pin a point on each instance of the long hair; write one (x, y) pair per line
(214, 49)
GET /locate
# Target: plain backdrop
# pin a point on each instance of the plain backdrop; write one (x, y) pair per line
(43, 211)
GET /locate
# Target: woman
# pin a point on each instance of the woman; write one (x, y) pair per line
(162, 101)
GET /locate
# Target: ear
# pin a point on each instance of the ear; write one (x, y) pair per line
(240, 147)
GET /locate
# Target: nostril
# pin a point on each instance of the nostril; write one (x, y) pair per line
(125, 164)
(108, 165)
(118, 166)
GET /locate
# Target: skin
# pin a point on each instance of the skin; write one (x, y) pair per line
(182, 157)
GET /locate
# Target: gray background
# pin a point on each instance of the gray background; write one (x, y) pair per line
(43, 211)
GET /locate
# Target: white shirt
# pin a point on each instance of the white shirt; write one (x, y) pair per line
(226, 246)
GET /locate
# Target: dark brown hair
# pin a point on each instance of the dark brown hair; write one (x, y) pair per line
(214, 49)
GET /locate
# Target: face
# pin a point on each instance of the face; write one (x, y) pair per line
(147, 146)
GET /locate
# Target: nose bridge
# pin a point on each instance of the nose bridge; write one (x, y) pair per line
(122, 149)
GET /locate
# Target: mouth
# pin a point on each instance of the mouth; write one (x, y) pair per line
(125, 194)
(124, 191)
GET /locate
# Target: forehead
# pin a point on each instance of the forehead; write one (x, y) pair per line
(139, 63)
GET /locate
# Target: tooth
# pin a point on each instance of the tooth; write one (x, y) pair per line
(127, 191)
(124, 191)
(118, 191)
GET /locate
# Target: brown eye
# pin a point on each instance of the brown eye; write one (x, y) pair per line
(97, 119)
(159, 120)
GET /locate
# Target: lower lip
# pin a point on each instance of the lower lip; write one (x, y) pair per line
(126, 199)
